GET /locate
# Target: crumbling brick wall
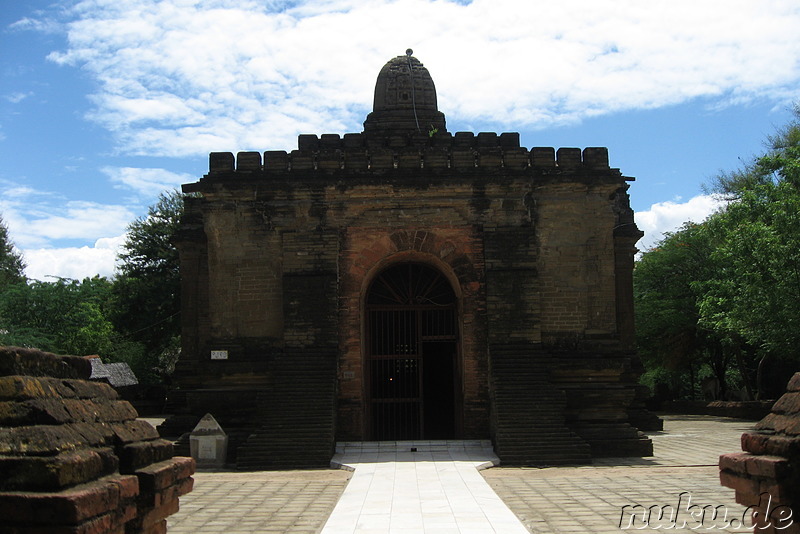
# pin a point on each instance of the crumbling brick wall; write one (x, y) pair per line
(74, 458)
(766, 476)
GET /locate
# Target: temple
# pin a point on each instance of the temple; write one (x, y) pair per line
(406, 283)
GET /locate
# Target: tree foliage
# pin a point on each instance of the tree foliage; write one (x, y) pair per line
(146, 291)
(757, 292)
(669, 286)
(731, 285)
(758, 243)
(11, 265)
(132, 318)
(65, 316)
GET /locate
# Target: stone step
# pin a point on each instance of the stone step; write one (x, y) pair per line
(418, 445)
(530, 427)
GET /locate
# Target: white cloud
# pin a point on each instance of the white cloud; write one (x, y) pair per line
(40, 23)
(74, 220)
(16, 98)
(73, 262)
(183, 77)
(41, 221)
(669, 216)
(147, 182)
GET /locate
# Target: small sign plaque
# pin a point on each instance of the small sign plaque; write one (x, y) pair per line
(219, 354)
(207, 449)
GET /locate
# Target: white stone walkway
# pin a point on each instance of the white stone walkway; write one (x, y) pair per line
(419, 487)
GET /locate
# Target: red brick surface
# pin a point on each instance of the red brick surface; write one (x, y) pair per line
(794, 384)
(767, 476)
(70, 506)
(782, 424)
(64, 442)
(164, 474)
(789, 404)
(368, 250)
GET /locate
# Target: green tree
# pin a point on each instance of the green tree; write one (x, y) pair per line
(668, 287)
(779, 164)
(65, 316)
(757, 295)
(11, 265)
(727, 291)
(146, 290)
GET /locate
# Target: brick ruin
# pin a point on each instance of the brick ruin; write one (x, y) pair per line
(73, 456)
(766, 476)
(410, 283)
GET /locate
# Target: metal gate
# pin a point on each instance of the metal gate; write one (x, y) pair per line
(411, 330)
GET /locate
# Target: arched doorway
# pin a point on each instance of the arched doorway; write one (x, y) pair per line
(411, 354)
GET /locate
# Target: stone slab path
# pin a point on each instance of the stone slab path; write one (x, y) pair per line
(549, 500)
(419, 487)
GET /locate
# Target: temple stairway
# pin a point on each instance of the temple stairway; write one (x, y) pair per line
(528, 414)
(297, 415)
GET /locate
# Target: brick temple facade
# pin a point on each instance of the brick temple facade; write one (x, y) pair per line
(409, 283)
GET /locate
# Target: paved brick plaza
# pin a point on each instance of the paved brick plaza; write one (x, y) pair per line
(590, 499)
(563, 499)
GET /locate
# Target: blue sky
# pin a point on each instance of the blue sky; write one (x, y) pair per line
(105, 103)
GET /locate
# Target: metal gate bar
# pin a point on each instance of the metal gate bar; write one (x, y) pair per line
(406, 305)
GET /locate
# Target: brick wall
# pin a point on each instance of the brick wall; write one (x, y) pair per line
(457, 253)
(574, 226)
(73, 456)
(292, 240)
(766, 476)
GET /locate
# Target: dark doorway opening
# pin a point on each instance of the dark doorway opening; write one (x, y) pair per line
(438, 389)
(412, 354)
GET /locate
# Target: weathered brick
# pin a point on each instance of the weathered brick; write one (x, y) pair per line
(25, 387)
(83, 389)
(788, 404)
(164, 496)
(32, 362)
(94, 434)
(31, 387)
(794, 383)
(54, 411)
(156, 528)
(132, 431)
(735, 462)
(132, 456)
(128, 485)
(784, 424)
(772, 467)
(44, 440)
(46, 411)
(164, 474)
(781, 492)
(740, 483)
(47, 473)
(58, 461)
(153, 516)
(746, 498)
(68, 507)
